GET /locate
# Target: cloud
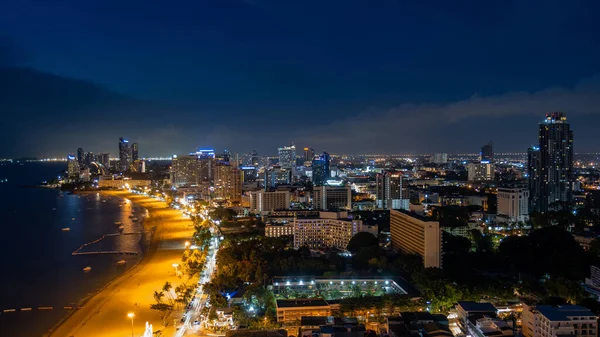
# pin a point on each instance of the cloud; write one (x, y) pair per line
(414, 126)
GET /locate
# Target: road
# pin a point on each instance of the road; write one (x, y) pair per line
(193, 313)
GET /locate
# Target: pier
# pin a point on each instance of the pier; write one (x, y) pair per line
(78, 251)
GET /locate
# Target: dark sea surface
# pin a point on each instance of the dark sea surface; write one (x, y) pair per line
(37, 268)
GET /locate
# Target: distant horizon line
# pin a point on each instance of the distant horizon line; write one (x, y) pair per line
(64, 158)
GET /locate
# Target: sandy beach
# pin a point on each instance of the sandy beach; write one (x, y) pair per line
(105, 314)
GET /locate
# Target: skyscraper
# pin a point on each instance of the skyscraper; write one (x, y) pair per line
(254, 158)
(228, 182)
(134, 152)
(439, 158)
(533, 177)
(309, 154)
(391, 192)
(80, 156)
(104, 159)
(89, 158)
(551, 167)
(73, 167)
(124, 154)
(206, 157)
(320, 169)
(185, 170)
(487, 153)
(287, 156)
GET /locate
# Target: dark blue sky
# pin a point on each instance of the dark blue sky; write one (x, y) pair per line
(346, 76)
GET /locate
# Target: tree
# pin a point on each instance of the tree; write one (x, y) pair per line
(361, 240)
(158, 296)
(167, 289)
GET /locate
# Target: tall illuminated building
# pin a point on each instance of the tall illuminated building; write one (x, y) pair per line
(550, 166)
(228, 182)
(73, 167)
(487, 153)
(104, 159)
(185, 170)
(309, 154)
(320, 169)
(206, 158)
(287, 156)
(124, 154)
(391, 192)
(89, 158)
(134, 152)
(80, 156)
(254, 158)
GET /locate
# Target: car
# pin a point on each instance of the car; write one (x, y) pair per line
(196, 322)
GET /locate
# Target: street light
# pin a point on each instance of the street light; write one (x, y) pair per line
(131, 315)
(187, 244)
(175, 265)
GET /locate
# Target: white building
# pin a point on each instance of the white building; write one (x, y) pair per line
(329, 230)
(439, 158)
(480, 171)
(263, 202)
(513, 205)
(564, 320)
(413, 234)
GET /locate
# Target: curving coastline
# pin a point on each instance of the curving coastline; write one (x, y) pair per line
(104, 313)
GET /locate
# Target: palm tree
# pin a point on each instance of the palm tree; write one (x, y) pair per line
(166, 288)
(158, 296)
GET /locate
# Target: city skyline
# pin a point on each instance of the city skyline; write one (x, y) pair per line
(400, 81)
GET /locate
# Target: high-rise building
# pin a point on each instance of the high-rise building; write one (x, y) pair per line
(487, 153)
(287, 156)
(104, 159)
(320, 169)
(80, 156)
(332, 198)
(134, 152)
(228, 182)
(439, 158)
(483, 171)
(248, 174)
(262, 202)
(185, 170)
(309, 154)
(551, 167)
(412, 234)
(513, 205)
(391, 192)
(89, 158)
(124, 154)
(206, 158)
(533, 176)
(73, 167)
(276, 176)
(254, 158)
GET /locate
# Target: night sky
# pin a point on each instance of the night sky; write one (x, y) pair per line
(342, 76)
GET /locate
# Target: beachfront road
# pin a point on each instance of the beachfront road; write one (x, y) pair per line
(105, 314)
(193, 314)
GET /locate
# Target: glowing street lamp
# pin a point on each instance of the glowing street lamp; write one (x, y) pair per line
(131, 315)
(187, 244)
(175, 265)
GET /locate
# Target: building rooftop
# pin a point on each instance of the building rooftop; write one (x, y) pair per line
(415, 215)
(302, 303)
(477, 306)
(563, 312)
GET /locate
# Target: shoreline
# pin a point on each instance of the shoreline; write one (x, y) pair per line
(145, 243)
(157, 232)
